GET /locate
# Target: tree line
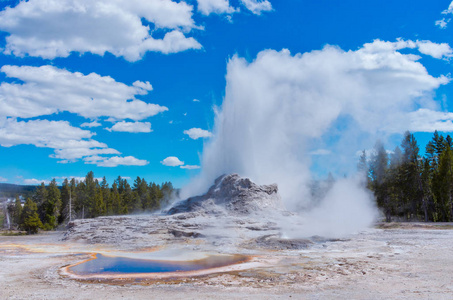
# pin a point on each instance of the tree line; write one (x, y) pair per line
(408, 186)
(52, 205)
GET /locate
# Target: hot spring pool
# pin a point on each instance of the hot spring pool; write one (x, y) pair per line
(116, 265)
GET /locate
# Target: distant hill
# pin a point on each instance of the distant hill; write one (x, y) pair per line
(11, 190)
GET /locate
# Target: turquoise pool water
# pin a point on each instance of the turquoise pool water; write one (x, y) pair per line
(123, 265)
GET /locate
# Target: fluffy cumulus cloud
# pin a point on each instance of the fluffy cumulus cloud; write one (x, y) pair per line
(190, 167)
(69, 143)
(44, 133)
(116, 161)
(55, 28)
(91, 124)
(257, 6)
(442, 50)
(196, 133)
(442, 23)
(423, 120)
(280, 107)
(34, 181)
(321, 152)
(436, 50)
(47, 90)
(449, 10)
(172, 161)
(207, 7)
(136, 127)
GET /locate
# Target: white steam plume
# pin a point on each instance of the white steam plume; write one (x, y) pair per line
(278, 107)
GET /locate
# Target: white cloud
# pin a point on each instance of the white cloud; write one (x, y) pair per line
(423, 120)
(449, 10)
(208, 7)
(69, 143)
(55, 28)
(196, 100)
(91, 124)
(47, 90)
(131, 127)
(442, 24)
(146, 86)
(34, 181)
(321, 152)
(44, 133)
(3, 179)
(435, 50)
(82, 149)
(116, 161)
(172, 161)
(438, 51)
(257, 6)
(196, 133)
(190, 167)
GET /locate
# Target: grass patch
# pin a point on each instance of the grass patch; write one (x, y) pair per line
(414, 225)
(12, 233)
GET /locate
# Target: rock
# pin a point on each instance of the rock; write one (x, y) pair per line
(275, 242)
(235, 195)
(182, 233)
(233, 211)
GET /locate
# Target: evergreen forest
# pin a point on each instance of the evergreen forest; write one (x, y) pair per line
(52, 205)
(411, 187)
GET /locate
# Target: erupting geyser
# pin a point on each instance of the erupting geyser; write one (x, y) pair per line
(279, 108)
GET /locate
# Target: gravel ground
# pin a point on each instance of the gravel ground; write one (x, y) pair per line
(393, 262)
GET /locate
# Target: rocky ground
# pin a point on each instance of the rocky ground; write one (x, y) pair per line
(236, 216)
(234, 213)
(402, 263)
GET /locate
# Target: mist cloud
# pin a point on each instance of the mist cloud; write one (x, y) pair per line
(279, 106)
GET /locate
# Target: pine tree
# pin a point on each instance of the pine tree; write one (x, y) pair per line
(82, 200)
(426, 178)
(127, 198)
(443, 186)
(40, 197)
(155, 195)
(51, 206)
(30, 221)
(394, 179)
(106, 197)
(413, 188)
(98, 204)
(116, 200)
(91, 186)
(379, 182)
(65, 195)
(17, 211)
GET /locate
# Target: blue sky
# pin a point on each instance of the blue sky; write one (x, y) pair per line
(148, 74)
